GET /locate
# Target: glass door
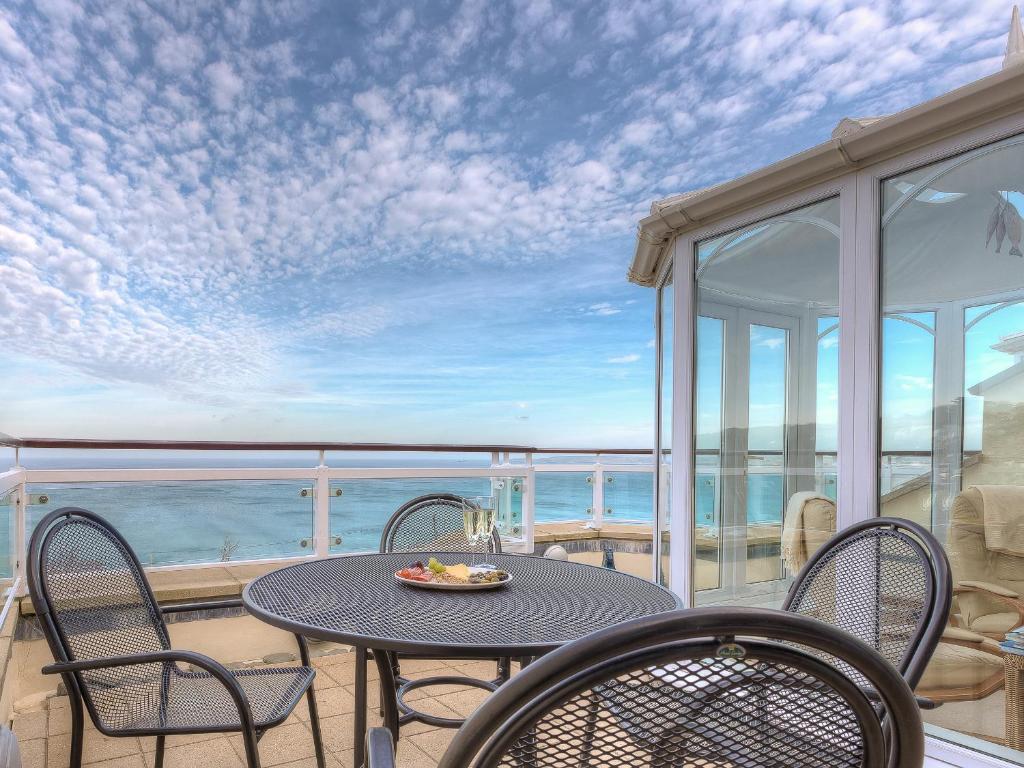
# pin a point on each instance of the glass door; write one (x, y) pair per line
(765, 418)
(745, 394)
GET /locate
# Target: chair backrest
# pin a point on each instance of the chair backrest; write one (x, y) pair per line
(432, 523)
(886, 581)
(92, 599)
(699, 687)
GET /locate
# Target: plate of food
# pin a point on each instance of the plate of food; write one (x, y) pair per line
(458, 577)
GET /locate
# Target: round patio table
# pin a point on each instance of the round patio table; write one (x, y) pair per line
(356, 599)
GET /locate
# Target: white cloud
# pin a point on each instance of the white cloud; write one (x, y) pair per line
(225, 85)
(10, 43)
(622, 359)
(603, 309)
(178, 54)
(374, 104)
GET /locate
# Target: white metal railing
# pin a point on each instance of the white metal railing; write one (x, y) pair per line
(512, 476)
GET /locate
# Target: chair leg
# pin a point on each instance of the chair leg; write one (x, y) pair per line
(77, 729)
(252, 751)
(159, 757)
(314, 725)
(314, 716)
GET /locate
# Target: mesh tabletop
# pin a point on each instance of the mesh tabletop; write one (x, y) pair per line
(356, 599)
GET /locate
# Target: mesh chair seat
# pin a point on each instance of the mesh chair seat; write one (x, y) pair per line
(195, 701)
(697, 688)
(771, 713)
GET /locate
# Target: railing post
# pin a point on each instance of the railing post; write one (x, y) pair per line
(321, 509)
(20, 544)
(529, 497)
(598, 491)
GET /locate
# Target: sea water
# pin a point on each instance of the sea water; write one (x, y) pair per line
(203, 521)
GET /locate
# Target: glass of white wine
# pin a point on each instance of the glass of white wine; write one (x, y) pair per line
(479, 514)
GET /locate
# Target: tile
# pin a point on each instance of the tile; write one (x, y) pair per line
(33, 753)
(310, 762)
(96, 748)
(433, 743)
(343, 671)
(30, 725)
(215, 753)
(59, 721)
(337, 733)
(481, 670)
(408, 755)
(129, 761)
(329, 702)
(421, 665)
(280, 745)
(465, 701)
(178, 740)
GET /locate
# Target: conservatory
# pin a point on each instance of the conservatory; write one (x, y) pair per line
(841, 335)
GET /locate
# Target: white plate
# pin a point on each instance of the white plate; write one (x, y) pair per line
(453, 587)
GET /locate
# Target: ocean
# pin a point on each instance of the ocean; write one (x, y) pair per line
(188, 522)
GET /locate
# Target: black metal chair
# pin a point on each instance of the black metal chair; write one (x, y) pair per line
(697, 688)
(434, 523)
(886, 581)
(111, 647)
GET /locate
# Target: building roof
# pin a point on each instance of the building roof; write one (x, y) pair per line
(856, 142)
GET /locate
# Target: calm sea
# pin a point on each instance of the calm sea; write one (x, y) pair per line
(183, 522)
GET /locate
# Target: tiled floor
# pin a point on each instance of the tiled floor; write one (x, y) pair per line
(45, 735)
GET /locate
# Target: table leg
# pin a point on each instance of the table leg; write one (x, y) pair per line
(389, 696)
(359, 716)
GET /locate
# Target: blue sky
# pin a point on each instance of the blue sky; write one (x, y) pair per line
(399, 221)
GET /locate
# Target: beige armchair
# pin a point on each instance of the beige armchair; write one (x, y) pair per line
(809, 522)
(966, 665)
(988, 583)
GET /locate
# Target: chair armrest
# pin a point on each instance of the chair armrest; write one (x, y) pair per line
(215, 668)
(923, 702)
(206, 605)
(958, 634)
(380, 748)
(985, 586)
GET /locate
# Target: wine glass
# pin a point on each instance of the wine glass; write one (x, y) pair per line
(478, 517)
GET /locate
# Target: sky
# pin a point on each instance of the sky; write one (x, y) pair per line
(397, 221)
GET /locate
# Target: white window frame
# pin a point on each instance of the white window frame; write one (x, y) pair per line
(859, 192)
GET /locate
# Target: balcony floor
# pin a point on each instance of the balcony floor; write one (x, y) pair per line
(44, 734)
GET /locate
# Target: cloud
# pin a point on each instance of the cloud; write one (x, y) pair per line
(602, 309)
(622, 359)
(178, 54)
(201, 200)
(10, 43)
(225, 85)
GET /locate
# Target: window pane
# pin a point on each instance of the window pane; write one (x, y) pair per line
(952, 409)
(766, 373)
(709, 439)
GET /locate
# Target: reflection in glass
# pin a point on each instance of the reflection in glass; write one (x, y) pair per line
(664, 465)
(766, 386)
(709, 440)
(952, 413)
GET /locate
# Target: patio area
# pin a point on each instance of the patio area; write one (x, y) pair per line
(44, 732)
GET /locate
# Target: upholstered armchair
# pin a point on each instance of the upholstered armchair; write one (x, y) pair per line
(967, 665)
(809, 522)
(988, 581)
